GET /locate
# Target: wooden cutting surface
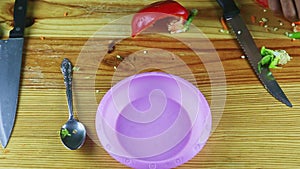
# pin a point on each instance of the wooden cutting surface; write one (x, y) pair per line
(255, 130)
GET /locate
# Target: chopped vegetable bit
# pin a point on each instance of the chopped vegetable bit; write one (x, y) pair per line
(281, 23)
(273, 58)
(119, 57)
(178, 26)
(64, 133)
(264, 19)
(261, 23)
(296, 31)
(74, 131)
(76, 68)
(224, 31)
(223, 22)
(253, 19)
(296, 23)
(295, 35)
(296, 28)
(293, 24)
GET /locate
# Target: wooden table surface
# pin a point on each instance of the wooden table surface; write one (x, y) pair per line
(255, 130)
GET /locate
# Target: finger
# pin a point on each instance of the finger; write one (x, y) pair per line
(275, 6)
(297, 3)
(289, 10)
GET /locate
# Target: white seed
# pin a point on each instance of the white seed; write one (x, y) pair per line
(119, 57)
(264, 19)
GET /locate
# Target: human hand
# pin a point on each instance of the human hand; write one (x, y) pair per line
(290, 9)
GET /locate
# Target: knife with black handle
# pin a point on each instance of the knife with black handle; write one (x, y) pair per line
(10, 70)
(231, 14)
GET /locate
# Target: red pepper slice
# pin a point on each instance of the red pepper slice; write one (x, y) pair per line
(156, 11)
(263, 3)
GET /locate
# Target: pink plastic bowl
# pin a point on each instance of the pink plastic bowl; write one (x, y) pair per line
(153, 121)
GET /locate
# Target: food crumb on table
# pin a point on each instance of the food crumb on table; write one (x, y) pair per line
(5, 151)
(76, 68)
(119, 57)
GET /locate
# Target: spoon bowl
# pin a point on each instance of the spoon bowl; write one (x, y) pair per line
(72, 133)
(77, 134)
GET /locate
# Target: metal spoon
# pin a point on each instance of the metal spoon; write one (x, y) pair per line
(73, 133)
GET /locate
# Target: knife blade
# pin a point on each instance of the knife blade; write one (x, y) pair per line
(10, 70)
(231, 14)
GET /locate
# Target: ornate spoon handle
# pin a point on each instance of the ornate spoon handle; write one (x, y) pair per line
(66, 69)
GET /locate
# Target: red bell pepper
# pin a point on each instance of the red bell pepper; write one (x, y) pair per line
(263, 3)
(156, 11)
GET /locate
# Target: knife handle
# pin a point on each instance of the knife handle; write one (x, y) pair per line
(229, 8)
(20, 8)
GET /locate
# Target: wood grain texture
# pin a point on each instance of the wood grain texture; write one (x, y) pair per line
(85, 18)
(255, 130)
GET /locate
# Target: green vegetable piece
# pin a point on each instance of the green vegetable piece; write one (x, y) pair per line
(272, 58)
(64, 133)
(274, 63)
(266, 60)
(264, 51)
(294, 35)
(193, 13)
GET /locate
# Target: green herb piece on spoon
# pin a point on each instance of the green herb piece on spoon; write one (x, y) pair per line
(65, 132)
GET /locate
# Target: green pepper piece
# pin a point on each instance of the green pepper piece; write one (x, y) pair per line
(272, 58)
(274, 63)
(64, 132)
(295, 35)
(265, 61)
(264, 51)
(193, 13)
